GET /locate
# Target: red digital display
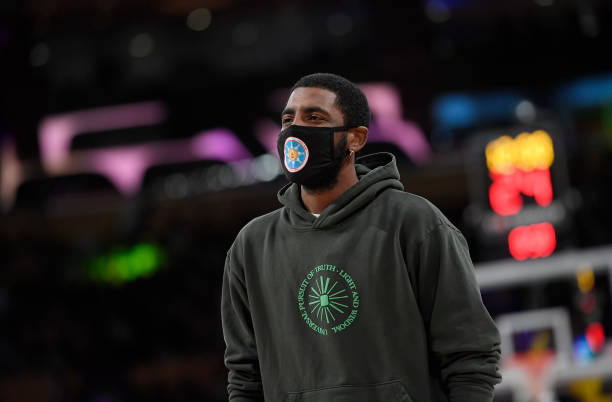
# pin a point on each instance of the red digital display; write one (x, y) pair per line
(532, 241)
(521, 167)
(506, 189)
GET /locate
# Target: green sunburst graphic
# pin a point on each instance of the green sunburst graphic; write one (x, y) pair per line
(325, 300)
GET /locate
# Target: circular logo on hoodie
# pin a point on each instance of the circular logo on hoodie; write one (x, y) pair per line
(328, 300)
(296, 154)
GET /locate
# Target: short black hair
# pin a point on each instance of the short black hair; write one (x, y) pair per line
(350, 99)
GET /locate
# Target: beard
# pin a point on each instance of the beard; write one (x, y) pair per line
(329, 177)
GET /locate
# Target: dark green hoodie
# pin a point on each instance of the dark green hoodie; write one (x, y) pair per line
(374, 300)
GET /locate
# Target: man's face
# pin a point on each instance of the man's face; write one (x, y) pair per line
(312, 107)
(317, 107)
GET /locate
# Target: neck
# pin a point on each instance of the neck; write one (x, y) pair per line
(317, 200)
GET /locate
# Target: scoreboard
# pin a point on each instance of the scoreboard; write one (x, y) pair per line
(520, 202)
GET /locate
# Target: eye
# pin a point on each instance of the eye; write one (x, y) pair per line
(286, 119)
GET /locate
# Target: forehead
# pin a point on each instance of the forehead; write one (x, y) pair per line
(304, 97)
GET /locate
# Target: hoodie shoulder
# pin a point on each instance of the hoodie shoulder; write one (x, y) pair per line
(416, 212)
(250, 237)
(257, 227)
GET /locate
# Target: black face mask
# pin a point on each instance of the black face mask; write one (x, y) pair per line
(308, 156)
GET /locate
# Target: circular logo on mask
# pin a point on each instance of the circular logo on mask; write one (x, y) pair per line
(296, 154)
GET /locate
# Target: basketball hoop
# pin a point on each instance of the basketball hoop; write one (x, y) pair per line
(535, 364)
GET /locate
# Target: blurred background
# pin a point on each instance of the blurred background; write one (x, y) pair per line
(137, 138)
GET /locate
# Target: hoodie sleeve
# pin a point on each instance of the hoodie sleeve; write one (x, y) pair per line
(244, 379)
(462, 336)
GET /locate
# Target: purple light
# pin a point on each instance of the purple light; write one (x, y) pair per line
(267, 132)
(125, 166)
(55, 133)
(388, 125)
(406, 135)
(219, 144)
(384, 100)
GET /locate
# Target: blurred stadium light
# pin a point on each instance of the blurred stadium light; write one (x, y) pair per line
(56, 132)
(585, 92)
(123, 165)
(126, 264)
(460, 111)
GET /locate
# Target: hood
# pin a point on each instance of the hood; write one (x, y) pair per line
(376, 173)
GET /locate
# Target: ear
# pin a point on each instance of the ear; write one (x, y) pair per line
(356, 138)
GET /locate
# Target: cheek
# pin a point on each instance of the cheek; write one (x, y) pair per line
(338, 138)
(340, 141)
(341, 137)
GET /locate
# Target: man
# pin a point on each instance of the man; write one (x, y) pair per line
(354, 290)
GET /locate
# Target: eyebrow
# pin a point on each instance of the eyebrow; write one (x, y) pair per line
(309, 109)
